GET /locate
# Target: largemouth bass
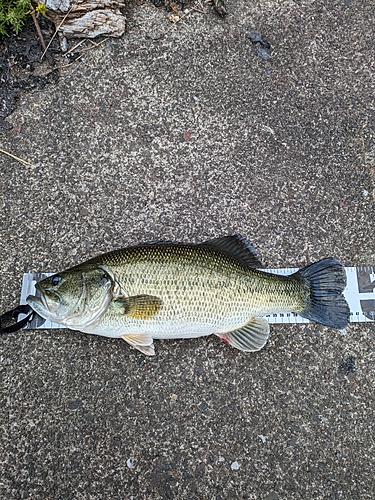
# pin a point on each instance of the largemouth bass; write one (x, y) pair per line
(164, 290)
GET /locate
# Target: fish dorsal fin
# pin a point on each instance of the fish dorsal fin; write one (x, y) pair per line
(139, 306)
(143, 342)
(251, 337)
(236, 246)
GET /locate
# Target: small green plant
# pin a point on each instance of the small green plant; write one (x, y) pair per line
(14, 12)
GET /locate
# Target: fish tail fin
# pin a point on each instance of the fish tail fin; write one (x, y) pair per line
(326, 303)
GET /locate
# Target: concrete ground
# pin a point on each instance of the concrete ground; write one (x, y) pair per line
(190, 137)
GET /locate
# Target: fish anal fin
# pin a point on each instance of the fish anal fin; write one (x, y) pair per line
(142, 342)
(250, 337)
(139, 306)
(237, 246)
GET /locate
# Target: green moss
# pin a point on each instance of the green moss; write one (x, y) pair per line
(13, 14)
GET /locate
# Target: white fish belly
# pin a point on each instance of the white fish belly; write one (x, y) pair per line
(176, 326)
(197, 327)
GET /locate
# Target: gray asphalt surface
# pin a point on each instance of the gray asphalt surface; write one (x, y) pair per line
(280, 151)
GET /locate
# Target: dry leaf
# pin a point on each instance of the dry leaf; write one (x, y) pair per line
(174, 18)
(174, 7)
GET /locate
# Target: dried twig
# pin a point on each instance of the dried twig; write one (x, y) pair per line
(94, 45)
(201, 7)
(40, 34)
(70, 64)
(75, 47)
(83, 50)
(57, 29)
(24, 162)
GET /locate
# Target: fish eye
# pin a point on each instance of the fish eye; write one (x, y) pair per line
(56, 280)
(103, 280)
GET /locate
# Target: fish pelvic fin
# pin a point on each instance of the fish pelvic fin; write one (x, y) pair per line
(142, 342)
(139, 306)
(326, 303)
(250, 337)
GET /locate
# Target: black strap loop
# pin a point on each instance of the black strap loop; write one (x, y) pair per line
(23, 309)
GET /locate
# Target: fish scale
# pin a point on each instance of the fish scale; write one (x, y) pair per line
(167, 290)
(202, 291)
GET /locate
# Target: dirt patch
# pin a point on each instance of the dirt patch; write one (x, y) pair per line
(21, 68)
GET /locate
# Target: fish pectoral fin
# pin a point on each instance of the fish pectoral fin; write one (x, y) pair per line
(249, 338)
(142, 342)
(139, 306)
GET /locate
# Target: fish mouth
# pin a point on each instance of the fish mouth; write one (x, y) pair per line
(36, 303)
(40, 304)
(33, 299)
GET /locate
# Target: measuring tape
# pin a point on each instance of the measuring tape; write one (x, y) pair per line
(359, 293)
